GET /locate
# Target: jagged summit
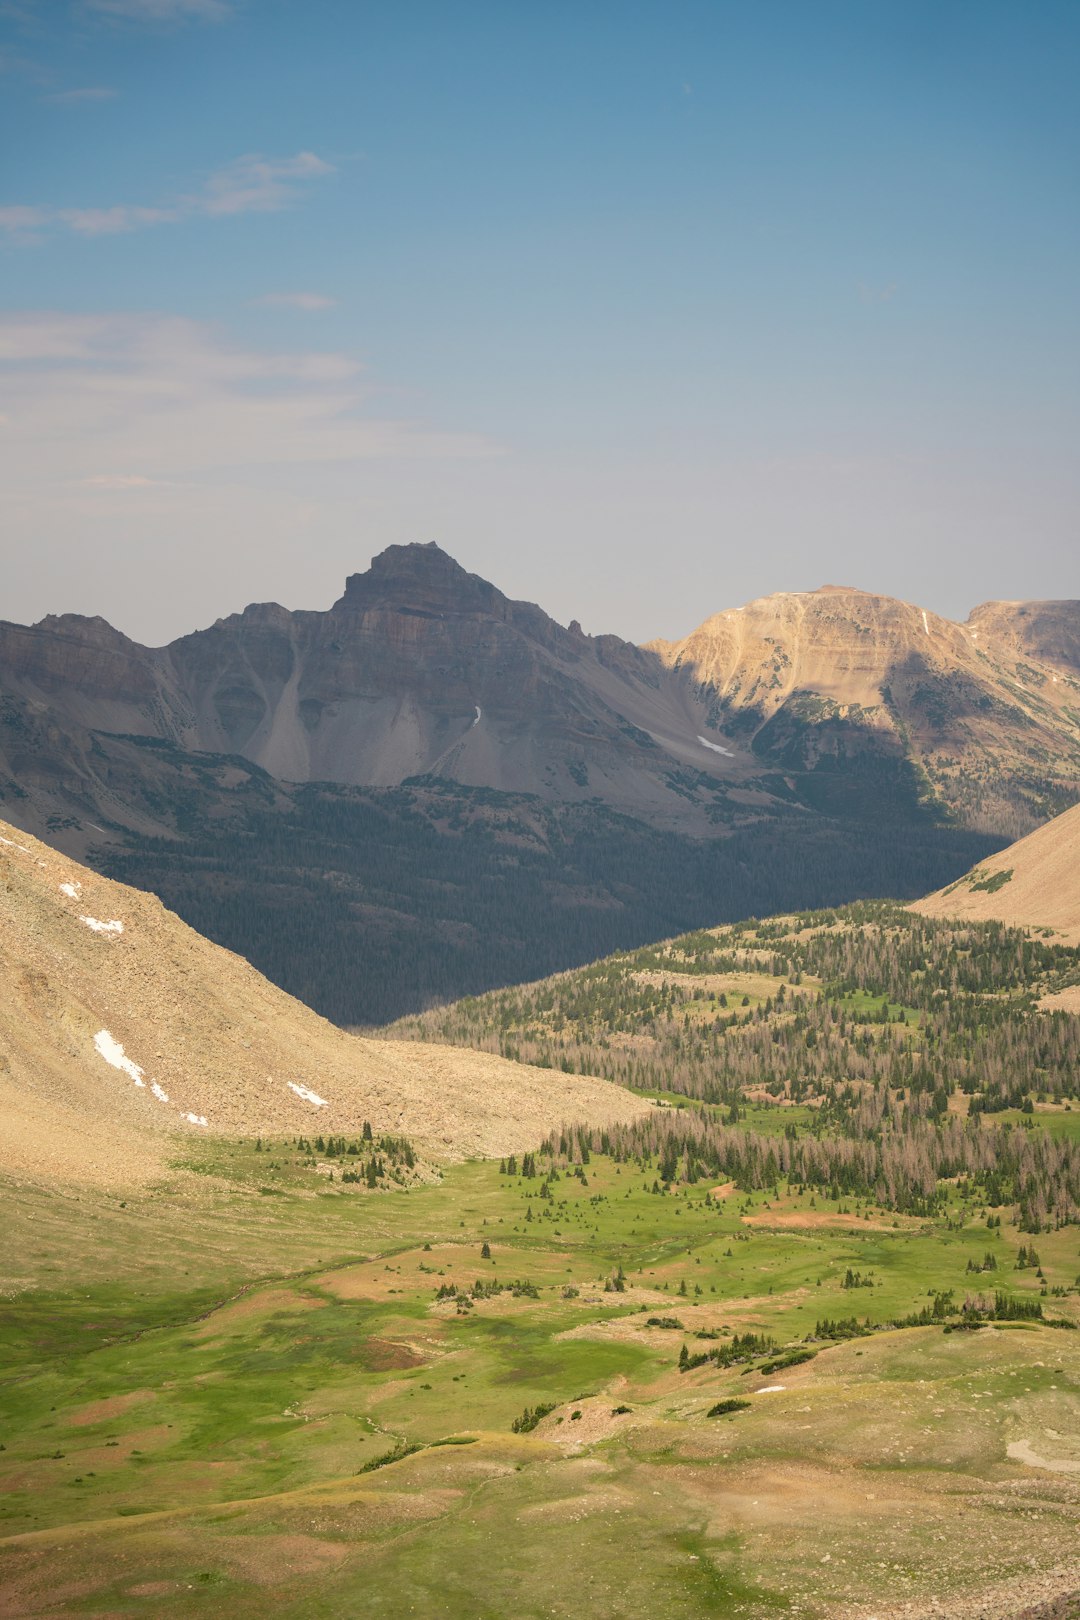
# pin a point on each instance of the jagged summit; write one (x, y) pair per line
(420, 577)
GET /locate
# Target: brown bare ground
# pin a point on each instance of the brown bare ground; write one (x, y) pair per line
(809, 1220)
(1043, 892)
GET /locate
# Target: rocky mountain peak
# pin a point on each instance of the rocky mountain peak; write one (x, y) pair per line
(421, 579)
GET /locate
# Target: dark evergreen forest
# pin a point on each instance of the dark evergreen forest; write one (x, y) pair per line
(369, 904)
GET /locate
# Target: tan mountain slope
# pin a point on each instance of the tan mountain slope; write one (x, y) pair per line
(983, 717)
(1034, 883)
(121, 1027)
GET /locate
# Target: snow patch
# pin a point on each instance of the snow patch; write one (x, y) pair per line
(195, 1119)
(770, 1389)
(162, 1096)
(476, 722)
(113, 927)
(72, 890)
(716, 748)
(925, 623)
(114, 1053)
(11, 844)
(306, 1095)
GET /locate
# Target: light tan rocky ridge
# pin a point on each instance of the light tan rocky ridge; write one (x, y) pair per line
(981, 719)
(122, 1029)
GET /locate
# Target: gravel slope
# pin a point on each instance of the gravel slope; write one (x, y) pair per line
(104, 988)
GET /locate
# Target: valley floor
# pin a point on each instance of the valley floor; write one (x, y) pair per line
(242, 1393)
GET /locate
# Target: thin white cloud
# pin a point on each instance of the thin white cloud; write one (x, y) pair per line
(255, 184)
(85, 95)
(158, 11)
(121, 481)
(120, 403)
(309, 301)
(249, 184)
(23, 223)
(877, 295)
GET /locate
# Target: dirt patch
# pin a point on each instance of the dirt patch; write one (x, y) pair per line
(810, 1220)
(114, 1406)
(273, 1559)
(598, 1421)
(723, 1191)
(384, 1355)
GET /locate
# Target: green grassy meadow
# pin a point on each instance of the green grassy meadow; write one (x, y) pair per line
(196, 1384)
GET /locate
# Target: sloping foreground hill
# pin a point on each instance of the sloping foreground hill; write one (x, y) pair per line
(120, 1026)
(1033, 883)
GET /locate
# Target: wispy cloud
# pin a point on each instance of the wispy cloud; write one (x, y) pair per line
(81, 97)
(121, 481)
(255, 184)
(252, 184)
(308, 301)
(162, 11)
(884, 294)
(115, 404)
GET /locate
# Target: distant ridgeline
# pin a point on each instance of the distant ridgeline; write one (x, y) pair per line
(430, 789)
(888, 1036)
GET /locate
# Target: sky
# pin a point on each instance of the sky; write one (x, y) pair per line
(640, 310)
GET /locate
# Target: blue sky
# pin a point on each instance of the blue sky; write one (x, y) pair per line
(639, 309)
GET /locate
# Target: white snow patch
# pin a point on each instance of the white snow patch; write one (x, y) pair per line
(113, 927)
(476, 722)
(195, 1119)
(114, 1053)
(162, 1096)
(925, 623)
(770, 1389)
(72, 890)
(11, 844)
(307, 1095)
(716, 748)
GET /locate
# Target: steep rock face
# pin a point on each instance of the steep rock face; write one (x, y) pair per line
(420, 668)
(973, 717)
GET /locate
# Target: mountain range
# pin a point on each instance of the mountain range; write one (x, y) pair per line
(461, 791)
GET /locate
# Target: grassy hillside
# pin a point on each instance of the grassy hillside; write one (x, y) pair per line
(298, 1403)
(803, 1340)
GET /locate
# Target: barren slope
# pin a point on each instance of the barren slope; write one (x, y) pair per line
(120, 1027)
(1035, 882)
(982, 718)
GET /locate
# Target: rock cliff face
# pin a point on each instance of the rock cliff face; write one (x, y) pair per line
(419, 669)
(984, 716)
(835, 700)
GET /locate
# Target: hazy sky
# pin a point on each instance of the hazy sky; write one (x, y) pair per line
(639, 309)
